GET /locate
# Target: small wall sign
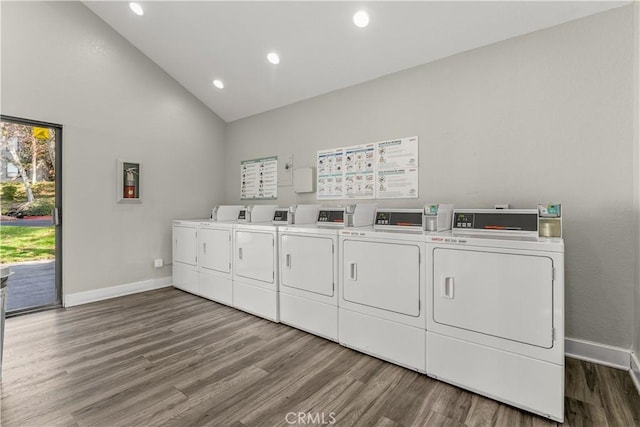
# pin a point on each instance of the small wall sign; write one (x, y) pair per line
(259, 178)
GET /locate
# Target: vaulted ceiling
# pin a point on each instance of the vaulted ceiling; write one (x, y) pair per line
(320, 48)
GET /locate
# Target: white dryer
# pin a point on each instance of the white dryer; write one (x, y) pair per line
(496, 309)
(309, 268)
(215, 251)
(382, 286)
(255, 262)
(185, 254)
(308, 279)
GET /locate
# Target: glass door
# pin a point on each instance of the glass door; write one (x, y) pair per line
(30, 227)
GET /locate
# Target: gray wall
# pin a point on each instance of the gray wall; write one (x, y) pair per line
(636, 192)
(62, 64)
(543, 117)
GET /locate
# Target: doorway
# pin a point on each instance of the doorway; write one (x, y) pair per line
(31, 200)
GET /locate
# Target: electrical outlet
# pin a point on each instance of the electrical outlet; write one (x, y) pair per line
(157, 263)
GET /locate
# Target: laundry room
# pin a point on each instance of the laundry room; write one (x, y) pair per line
(182, 305)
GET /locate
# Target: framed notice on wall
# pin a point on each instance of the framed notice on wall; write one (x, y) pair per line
(380, 170)
(259, 178)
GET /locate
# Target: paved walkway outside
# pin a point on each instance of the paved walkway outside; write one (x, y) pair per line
(44, 221)
(33, 284)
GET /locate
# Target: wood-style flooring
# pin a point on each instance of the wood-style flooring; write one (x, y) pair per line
(167, 358)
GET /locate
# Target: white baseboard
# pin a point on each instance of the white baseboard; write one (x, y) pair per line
(601, 354)
(635, 370)
(94, 295)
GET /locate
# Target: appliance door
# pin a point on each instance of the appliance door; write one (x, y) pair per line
(215, 250)
(254, 255)
(382, 275)
(185, 245)
(504, 295)
(307, 263)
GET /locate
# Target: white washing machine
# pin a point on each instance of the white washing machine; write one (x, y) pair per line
(309, 269)
(382, 287)
(496, 309)
(185, 254)
(255, 262)
(215, 252)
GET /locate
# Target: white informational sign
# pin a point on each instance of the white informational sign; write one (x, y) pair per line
(400, 153)
(397, 169)
(330, 174)
(259, 178)
(397, 184)
(359, 165)
(386, 170)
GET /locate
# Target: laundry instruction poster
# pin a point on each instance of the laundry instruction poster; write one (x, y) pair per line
(397, 184)
(330, 175)
(397, 169)
(259, 178)
(385, 170)
(359, 165)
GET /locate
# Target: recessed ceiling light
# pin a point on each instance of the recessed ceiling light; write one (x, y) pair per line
(361, 19)
(137, 9)
(273, 58)
(218, 83)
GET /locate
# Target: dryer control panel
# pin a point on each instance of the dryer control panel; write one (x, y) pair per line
(282, 216)
(399, 219)
(244, 215)
(360, 215)
(496, 220)
(335, 217)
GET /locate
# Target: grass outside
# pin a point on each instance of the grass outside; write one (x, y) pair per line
(19, 244)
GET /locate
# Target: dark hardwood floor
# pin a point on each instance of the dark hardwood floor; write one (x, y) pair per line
(167, 358)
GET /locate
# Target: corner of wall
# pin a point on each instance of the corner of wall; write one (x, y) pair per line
(635, 351)
(636, 176)
(635, 370)
(602, 354)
